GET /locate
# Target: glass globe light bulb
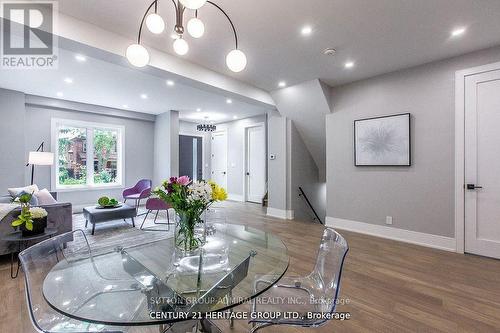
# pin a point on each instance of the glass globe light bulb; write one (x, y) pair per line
(236, 60)
(155, 23)
(193, 4)
(181, 47)
(137, 55)
(195, 27)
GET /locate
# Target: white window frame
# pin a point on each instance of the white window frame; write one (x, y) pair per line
(57, 123)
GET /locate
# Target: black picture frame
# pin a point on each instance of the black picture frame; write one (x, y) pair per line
(358, 121)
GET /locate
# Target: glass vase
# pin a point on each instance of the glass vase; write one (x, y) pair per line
(189, 232)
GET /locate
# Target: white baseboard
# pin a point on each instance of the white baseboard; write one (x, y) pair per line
(407, 236)
(235, 197)
(280, 213)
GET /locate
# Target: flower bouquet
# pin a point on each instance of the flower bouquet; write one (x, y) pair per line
(189, 200)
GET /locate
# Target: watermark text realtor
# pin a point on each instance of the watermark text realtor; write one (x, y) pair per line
(28, 36)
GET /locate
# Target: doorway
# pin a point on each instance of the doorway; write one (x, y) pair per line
(255, 163)
(191, 157)
(480, 90)
(219, 158)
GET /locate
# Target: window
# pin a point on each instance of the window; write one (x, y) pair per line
(88, 155)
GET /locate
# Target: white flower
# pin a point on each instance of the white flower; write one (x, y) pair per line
(200, 191)
(38, 212)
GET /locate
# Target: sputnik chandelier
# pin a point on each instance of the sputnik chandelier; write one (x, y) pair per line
(138, 55)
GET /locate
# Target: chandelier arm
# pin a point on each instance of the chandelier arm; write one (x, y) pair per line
(229, 19)
(155, 4)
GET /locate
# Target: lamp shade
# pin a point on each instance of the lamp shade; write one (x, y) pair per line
(40, 158)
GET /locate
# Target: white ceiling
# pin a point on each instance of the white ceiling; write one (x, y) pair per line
(379, 36)
(104, 83)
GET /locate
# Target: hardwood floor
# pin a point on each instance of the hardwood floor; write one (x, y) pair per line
(391, 286)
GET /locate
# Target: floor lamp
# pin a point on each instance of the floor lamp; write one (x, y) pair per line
(39, 157)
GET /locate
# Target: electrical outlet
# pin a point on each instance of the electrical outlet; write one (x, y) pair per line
(388, 220)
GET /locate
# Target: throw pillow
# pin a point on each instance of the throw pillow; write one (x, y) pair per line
(15, 191)
(45, 198)
(33, 200)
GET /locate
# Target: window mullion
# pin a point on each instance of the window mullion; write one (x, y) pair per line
(90, 156)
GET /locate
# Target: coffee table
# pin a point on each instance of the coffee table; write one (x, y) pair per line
(94, 214)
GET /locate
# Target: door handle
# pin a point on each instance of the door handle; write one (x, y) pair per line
(473, 187)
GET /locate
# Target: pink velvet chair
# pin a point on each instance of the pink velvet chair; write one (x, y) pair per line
(155, 204)
(141, 190)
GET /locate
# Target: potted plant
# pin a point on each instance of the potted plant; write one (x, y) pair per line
(31, 221)
(189, 200)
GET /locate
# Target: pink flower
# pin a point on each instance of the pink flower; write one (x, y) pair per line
(184, 180)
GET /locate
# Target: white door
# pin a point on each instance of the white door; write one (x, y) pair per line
(255, 164)
(219, 158)
(482, 164)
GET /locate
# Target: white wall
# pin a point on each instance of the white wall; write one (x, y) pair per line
(236, 150)
(420, 197)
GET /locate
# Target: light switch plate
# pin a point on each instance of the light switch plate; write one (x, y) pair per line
(388, 220)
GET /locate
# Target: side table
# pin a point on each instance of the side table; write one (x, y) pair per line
(22, 243)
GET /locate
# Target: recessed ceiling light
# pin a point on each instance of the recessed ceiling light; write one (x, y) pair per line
(170, 83)
(125, 106)
(144, 96)
(282, 84)
(458, 32)
(306, 30)
(68, 80)
(80, 58)
(235, 117)
(349, 64)
(59, 94)
(198, 110)
(229, 101)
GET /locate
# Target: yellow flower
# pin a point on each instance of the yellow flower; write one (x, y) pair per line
(218, 193)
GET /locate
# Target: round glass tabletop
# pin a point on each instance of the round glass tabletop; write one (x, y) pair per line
(153, 284)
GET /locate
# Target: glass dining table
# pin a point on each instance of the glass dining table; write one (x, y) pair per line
(155, 284)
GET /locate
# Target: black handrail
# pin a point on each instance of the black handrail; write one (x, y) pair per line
(302, 194)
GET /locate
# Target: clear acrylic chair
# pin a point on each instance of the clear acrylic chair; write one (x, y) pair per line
(37, 261)
(315, 293)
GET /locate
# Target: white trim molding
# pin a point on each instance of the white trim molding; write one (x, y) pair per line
(407, 236)
(460, 77)
(280, 213)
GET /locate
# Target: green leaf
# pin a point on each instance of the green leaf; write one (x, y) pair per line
(29, 226)
(17, 223)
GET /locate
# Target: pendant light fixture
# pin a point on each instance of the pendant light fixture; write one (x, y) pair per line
(138, 55)
(206, 126)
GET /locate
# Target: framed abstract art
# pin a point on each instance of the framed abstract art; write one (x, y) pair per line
(383, 141)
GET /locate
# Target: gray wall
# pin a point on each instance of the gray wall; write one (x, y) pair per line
(23, 128)
(307, 105)
(419, 197)
(277, 175)
(13, 156)
(166, 147)
(138, 149)
(235, 151)
(305, 174)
